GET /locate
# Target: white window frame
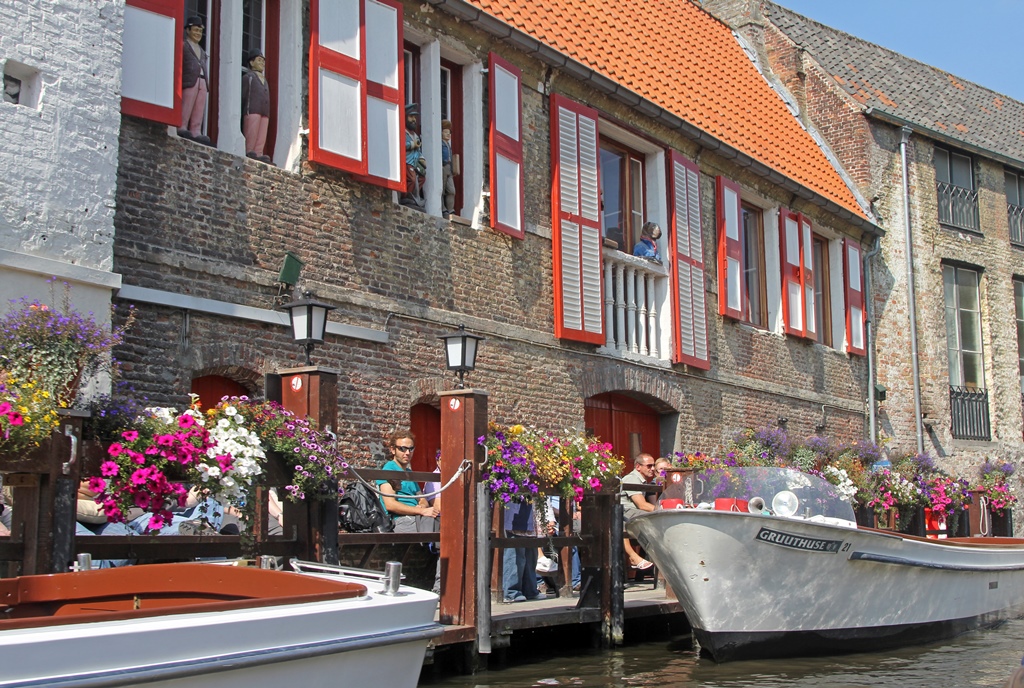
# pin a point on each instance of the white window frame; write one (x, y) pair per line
(473, 125)
(656, 210)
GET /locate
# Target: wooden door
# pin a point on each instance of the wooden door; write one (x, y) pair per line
(425, 423)
(631, 426)
(211, 388)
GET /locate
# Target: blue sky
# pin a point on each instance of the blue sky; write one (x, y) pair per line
(979, 40)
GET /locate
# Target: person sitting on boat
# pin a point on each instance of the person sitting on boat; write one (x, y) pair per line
(634, 503)
(403, 499)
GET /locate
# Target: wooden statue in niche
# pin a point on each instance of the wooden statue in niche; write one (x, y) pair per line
(195, 83)
(255, 107)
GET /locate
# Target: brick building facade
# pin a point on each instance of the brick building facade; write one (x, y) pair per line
(963, 163)
(201, 232)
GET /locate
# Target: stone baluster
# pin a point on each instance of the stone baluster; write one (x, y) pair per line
(620, 308)
(641, 299)
(631, 328)
(652, 317)
(609, 303)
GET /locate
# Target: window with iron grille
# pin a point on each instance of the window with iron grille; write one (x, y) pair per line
(1015, 206)
(956, 195)
(968, 398)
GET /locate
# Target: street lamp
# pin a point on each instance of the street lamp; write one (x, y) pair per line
(460, 349)
(309, 321)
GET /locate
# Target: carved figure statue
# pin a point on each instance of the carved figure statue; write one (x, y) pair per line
(415, 165)
(195, 84)
(449, 168)
(255, 107)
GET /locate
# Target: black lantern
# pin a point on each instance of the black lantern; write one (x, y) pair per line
(309, 321)
(460, 350)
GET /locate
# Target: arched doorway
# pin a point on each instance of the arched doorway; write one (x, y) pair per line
(211, 388)
(631, 426)
(425, 423)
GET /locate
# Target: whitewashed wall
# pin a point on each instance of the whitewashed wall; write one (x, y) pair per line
(59, 153)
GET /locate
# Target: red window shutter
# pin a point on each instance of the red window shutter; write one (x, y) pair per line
(687, 246)
(506, 147)
(732, 294)
(356, 82)
(154, 32)
(576, 222)
(792, 275)
(385, 94)
(855, 338)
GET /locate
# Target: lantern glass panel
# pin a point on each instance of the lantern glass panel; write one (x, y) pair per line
(454, 348)
(319, 322)
(300, 322)
(470, 358)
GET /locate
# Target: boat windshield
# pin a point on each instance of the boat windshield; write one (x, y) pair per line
(757, 489)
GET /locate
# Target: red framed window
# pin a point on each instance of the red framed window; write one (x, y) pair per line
(151, 60)
(506, 147)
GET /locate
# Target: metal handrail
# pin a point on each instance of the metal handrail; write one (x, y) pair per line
(969, 413)
(958, 207)
(1015, 216)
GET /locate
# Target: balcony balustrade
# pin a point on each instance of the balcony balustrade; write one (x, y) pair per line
(636, 306)
(958, 207)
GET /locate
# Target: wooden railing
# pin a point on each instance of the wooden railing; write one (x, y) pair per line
(43, 539)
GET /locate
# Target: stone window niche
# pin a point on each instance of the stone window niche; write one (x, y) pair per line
(21, 84)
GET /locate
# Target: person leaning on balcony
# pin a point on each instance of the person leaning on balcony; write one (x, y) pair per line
(647, 247)
(634, 503)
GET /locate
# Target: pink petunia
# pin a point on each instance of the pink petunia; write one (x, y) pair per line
(156, 522)
(5, 407)
(97, 484)
(109, 469)
(130, 435)
(186, 421)
(140, 477)
(15, 418)
(115, 449)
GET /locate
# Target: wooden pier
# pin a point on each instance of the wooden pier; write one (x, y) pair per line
(477, 623)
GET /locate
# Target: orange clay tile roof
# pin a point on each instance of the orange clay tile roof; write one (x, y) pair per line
(676, 55)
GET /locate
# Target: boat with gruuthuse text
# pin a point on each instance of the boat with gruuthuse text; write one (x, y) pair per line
(781, 568)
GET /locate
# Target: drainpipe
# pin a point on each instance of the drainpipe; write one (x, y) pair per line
(911, 301)
(873, 413)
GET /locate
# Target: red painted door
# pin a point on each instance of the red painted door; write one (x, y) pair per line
(425, 423)
(631, 426)
(211, 388)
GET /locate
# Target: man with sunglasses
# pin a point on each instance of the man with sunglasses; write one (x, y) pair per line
(402, 498)
(634, 503)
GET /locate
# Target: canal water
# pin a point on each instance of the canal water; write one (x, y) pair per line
(982, 658)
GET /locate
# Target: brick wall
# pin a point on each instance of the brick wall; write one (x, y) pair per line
(202, 222)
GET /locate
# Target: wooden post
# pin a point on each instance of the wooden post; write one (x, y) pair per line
(313, 391)
(463, 420)
(45, 486)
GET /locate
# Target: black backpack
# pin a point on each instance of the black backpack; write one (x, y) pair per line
(360, 511)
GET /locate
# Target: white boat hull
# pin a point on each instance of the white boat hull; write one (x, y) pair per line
(756, 586)
(371, 639)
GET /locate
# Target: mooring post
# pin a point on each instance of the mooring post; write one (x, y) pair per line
(313, 391)
(463, 420)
